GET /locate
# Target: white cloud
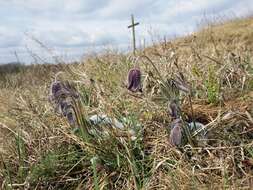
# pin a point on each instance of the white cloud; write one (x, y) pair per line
(121, 9)
(72, 26)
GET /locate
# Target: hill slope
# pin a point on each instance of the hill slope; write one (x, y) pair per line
(41, 149)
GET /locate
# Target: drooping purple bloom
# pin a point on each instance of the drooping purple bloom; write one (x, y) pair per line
(176, 133)
(173, 109)
(66, 106)
(70, 117)
(134, 80)
(62, 90)
(55, 87)
(62, 95)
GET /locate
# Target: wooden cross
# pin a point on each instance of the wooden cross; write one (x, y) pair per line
(133, 32)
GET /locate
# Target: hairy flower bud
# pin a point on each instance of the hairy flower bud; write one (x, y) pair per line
(62, 95)
(134, 80)
(176, 133)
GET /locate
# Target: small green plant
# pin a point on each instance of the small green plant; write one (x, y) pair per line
(6, 173)
(21, 153)
(212, 86)
(46, 167)
(59, 163)
(94, 168)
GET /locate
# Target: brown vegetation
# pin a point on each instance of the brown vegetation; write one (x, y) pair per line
(40, 150)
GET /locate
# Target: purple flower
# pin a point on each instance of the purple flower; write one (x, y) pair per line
(173, 109)
(70, 117)
(56, 87)
(176, 133)
(63, 95)
(134, 80)
(62, 90)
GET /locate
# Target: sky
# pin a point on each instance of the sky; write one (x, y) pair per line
(33, 30)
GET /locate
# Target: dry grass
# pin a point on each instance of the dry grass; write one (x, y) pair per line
(40, 150)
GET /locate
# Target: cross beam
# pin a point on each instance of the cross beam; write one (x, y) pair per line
(133, 32)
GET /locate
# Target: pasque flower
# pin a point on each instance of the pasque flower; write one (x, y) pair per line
(62, 95)
(134, 80)
(176, 133)
(173, 109)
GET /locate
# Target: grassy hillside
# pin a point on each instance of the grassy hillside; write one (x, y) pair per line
(40, 149)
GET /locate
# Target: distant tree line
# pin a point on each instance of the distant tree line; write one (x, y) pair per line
(10, 68)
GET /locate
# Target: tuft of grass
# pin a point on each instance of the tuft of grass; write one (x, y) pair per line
(22, 156)
(212, 86)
